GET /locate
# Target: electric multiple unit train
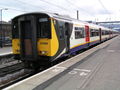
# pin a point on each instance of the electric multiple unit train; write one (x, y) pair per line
(40, 38)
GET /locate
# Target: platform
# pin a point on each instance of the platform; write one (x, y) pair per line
(95, 69)
(5, 50)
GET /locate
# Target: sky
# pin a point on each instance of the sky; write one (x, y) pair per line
(89, 10)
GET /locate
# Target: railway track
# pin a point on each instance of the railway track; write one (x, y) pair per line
(6, 58)
(13, 72)
(14, 77)
(11, 68)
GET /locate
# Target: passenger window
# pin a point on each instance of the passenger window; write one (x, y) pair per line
(79, 32)
(103, 32)
(94, 32)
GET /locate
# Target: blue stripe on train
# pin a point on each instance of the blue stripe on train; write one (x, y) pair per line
(73, 50)
(83, 46)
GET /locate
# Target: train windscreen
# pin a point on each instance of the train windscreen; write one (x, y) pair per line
(44, 29)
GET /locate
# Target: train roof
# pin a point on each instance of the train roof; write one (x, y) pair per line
(66, 18)
(53, 15)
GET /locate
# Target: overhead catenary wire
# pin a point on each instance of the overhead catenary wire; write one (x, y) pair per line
(9, 8)
(41, 8)
(71, 4)
(25, 5)
(60, 7)
(103, 6)
(54, 5)
(31, 5)
(80, 9)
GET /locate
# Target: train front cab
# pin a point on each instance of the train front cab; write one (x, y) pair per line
(34, 38)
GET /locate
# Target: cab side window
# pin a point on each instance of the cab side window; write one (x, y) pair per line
(61, 26)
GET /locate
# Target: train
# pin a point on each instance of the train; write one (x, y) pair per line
(40, 38)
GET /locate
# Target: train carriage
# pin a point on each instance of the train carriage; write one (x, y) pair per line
(40, 38)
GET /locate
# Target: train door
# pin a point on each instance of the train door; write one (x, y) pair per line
(100, 34)
(67, 40)
(87, 38)
(28, 38)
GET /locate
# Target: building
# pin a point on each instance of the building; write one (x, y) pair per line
(5, 32)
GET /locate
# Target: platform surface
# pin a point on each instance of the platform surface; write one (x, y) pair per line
(5, 50)
(101, 71)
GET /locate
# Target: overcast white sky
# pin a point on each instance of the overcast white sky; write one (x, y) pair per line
(95, 10)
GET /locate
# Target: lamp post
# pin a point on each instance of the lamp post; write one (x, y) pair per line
(2, 41)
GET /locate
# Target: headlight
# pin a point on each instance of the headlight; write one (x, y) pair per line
(43, 52)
